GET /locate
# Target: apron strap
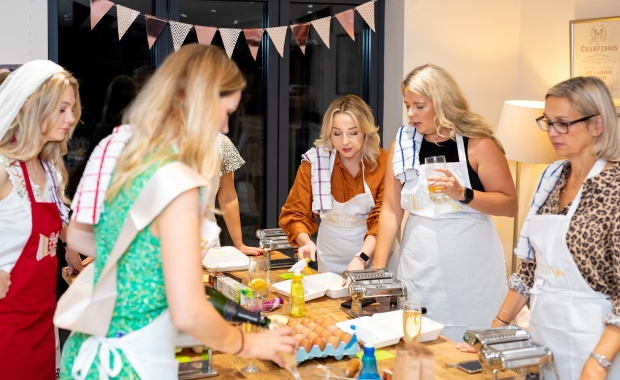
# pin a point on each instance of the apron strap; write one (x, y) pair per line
(86, 356)
(460, 144)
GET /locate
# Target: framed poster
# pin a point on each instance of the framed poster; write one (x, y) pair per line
(595, 50)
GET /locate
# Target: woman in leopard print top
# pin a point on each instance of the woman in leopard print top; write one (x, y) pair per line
(571, 239)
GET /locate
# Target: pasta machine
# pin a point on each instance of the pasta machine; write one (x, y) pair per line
(379, 284)
(274, 241)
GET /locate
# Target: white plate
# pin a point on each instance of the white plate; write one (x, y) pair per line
(333, 282)
(430, 329)
(311, 290)
(383, 335)
(225, 259)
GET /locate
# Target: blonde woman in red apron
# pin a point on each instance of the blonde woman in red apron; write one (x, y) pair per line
(569, 240)
(39, 108)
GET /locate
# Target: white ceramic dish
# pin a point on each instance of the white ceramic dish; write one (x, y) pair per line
(332, 281)
(383, 335)
(430, 329)
(311, 290)
(225, 259)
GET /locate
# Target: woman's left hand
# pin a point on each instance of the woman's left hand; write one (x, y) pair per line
(74, 261)
(250, 251)
(453, 188)
(592, 371)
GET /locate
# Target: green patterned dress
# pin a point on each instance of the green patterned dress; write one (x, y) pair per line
(140, 278)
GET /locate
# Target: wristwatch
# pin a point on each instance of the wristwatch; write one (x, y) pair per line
(363, 257)
(468, 194)
(602, 361)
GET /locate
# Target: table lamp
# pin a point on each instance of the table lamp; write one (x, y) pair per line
(523, 141)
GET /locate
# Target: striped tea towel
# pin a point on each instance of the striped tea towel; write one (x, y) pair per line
(89, 198)
(320, 178)
(548, 180)
(406, 161)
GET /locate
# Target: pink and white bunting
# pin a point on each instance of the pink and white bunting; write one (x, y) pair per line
(367, 11)
(98, 9)
(126, 17)
(278, 37)
(154, 27)
(300, 31)
(322, 27)
(229, 37)
(253, 37)
(347, 20)
(205, 34)
(179, 33)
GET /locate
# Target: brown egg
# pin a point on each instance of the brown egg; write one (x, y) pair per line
(311, 325)
(311, 335)
(319, 342)
(292, 323)
(298, 328)
(346, 338)
(299, 338)
(305, 331)
(331, 329)
(318, 330)
(304, 321)
(333, 341)
(325, 334)
(319, 321)
(325, 324)
(338, 333)
(306, 345)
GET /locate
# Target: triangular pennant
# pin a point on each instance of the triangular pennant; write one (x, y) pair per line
(98, 9)
(154, 27)
(253, 37)
(229, 37)
(278, 37)
(367, 11)
(179, 32)
(300, 31)
(205, 34)
(347, 20)
(322, 26)
(125, 17)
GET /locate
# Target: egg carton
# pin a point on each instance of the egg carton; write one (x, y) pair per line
(351, 349)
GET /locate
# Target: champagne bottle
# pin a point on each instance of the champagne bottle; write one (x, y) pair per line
(233, 312)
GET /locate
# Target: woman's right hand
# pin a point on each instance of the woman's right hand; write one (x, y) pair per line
(307, 250)
(268, 344)
(5, 282)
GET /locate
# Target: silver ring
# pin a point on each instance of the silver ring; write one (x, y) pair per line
(447, 185)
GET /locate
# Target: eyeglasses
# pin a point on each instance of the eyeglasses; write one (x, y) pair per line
(559, 126)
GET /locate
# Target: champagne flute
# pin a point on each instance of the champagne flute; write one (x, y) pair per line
(253, 304)
(258, 277)
(430, 163)
(412, 320)
(290, 359)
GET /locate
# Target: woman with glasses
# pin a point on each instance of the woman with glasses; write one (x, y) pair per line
(570, 240)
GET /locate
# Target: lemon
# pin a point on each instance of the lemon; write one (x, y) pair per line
(258, 284)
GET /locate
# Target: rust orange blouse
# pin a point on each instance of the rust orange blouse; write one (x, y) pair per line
(297, 216)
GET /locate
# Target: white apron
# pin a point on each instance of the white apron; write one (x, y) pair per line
(451, 257)
(342, 229)
(566, 313)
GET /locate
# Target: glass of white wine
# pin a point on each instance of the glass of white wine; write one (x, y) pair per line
(412, 320)
(253, 304)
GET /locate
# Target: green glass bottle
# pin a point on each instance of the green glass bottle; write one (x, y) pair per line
(233, 312)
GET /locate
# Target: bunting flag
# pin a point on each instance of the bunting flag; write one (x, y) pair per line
(179, 33)
(253, 37)
(154, 27)
(205, 34)
(230, 37)
(322, 26)
(126, 17)
(300, 31)
(98, 9)
(347, 20)
(278, 37)
(367, 11)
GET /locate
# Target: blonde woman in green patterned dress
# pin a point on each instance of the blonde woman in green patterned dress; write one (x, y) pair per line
(159, 278)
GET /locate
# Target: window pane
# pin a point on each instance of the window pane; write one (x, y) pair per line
(320, 76)
(246, 126)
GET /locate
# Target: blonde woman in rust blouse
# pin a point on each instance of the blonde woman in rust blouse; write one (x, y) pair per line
(570, 241)
(341, 179)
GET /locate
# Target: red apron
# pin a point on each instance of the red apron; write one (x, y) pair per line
(27, 345)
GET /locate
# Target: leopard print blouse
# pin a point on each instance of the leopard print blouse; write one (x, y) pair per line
(593, 237)
(231, 159)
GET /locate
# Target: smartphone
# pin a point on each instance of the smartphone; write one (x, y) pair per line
(472, 366)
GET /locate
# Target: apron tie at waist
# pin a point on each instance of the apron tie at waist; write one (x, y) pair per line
(86, 357)
(539, 287)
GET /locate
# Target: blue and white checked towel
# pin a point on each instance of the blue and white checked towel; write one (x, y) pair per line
(406, 162)
(320, 178)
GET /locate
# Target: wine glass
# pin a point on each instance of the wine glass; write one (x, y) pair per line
(290, 359)
(258, 277)
(412, 320)
(253, 304)
(430, 163)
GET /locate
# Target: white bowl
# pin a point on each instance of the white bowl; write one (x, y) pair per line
(332, 281)
(311, 290)
(430, 329)
(383, 335)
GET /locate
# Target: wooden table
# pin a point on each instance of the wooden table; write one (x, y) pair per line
(229, 366)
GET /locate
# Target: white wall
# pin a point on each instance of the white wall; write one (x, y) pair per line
(14, 30)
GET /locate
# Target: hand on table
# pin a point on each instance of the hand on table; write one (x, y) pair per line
(249, 251)
(307, 251)
(466, 348)
(453, 188)
(266, 345)
(5, 283)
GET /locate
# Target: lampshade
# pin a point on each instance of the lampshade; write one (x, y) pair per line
(521, 137)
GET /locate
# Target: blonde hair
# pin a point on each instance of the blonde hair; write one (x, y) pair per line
(362, 116)
(451, 108)
(590, 96)
(178, 109)
(24, 138)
